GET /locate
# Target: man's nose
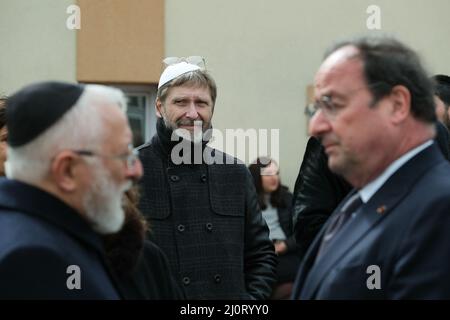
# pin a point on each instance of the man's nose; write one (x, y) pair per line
(319, 124)
(192, 112)
(136, 171)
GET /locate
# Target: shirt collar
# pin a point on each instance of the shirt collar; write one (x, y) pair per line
(371, 188)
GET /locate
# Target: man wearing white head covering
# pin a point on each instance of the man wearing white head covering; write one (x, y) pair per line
(203, 209)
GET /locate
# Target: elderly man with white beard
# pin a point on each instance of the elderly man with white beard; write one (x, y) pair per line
(70, 160)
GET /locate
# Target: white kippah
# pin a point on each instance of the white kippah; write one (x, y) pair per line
(176, 70)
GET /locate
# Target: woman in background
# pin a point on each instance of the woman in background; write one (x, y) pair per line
(275, 201)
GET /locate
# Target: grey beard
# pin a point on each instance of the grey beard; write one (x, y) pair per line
(103, 202)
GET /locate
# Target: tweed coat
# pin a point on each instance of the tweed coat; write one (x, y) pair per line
(206, 219)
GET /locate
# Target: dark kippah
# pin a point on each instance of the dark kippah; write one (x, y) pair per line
(35, 108)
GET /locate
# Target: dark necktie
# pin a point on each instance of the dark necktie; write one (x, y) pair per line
(338, 222)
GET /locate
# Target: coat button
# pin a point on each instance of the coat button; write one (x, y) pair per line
(203, 178)
(217, 278)
(186, 281)
(209, 226)
(181, 228)
(175, 178)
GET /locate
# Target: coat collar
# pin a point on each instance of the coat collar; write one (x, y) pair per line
(22, 197)
(164, 144)
(370, 214)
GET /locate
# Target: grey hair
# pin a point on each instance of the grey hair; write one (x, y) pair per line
(80, 128)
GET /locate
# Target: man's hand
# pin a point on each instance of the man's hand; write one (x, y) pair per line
(280, 247)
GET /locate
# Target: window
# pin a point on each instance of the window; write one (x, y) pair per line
(141, 111)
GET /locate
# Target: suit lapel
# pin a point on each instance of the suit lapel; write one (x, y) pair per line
(312, 272)
(307, 263)
(368, 216)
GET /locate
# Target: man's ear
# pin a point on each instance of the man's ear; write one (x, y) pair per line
(158, 108)
(63, 170)
(401, 103)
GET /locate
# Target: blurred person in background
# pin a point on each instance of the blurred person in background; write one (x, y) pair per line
(442, 98)
(275, 201)
(3, 135)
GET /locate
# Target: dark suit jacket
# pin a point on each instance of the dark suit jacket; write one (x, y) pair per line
(403, 229)
(40, 237)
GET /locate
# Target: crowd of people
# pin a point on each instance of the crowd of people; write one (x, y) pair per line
(97, 218)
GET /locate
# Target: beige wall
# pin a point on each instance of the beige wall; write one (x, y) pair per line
(120, 41)
(35, 43)
(264, 53)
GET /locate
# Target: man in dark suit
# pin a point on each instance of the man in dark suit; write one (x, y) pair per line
(318, 191)
(69, 163)
(388, 239)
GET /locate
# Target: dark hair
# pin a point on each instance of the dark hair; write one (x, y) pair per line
(277, 198)
(442, 88)
(389, 62)
(2, 111)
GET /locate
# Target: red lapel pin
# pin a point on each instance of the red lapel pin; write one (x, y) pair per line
(381, 209)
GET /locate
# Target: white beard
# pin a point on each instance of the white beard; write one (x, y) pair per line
(103, 201)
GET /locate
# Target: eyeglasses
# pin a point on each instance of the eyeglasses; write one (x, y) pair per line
(196, 60)
(329, 108)
(129, 158)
